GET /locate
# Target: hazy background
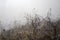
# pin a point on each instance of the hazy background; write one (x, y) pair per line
(16, 9)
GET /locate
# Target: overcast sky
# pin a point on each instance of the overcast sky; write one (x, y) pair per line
(16, 9)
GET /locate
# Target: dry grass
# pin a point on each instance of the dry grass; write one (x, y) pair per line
(35, 31)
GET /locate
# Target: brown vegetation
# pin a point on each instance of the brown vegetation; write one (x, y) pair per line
(35, 29)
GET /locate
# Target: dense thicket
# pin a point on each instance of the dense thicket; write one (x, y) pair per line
(35, 29)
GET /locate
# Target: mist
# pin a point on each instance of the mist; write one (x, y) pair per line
(11, 10)
(29, 19)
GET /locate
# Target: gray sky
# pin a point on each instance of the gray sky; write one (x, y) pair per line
(16, 9)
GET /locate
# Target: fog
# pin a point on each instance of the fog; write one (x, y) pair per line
(11, 10)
